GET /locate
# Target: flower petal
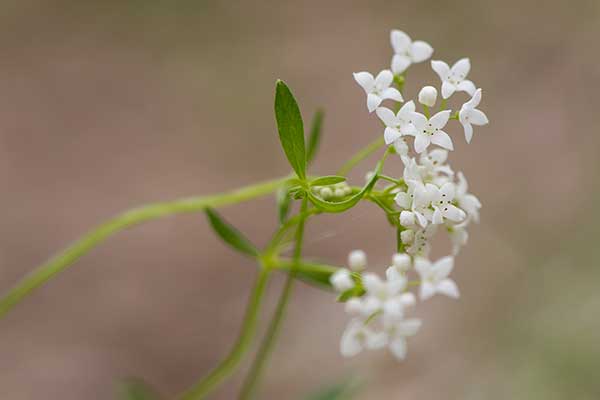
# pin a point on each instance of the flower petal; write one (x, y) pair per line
(468, 131)
(420, 51)
(390, 135)
(373, 101)
(449, 288)
(372, 282)
(392, 93)
(467, 86)
(440, 119)
(387, 116)
(365, 80)
(421, 143)
(406, 110)
(384, 79)
(437, 217)
(427, 290)
(475, 100)
(418, 120)
(441, 68)
(409, 327)
(442, 139)
(403, 200)
(477, 117)
(400, 41)
(448, 89)
(423, 267)
(461, 68)
(400, 63)
(350, 344)
(398, 348)
(443, 267)
(454, 213)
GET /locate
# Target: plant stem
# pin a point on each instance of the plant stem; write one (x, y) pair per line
(130, 218)
(228, 365)
(251, 383)
(361, 155)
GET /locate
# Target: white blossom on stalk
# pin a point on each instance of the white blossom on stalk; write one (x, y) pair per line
(454, 79)
(386, 296)
(398, 332)
(341, 280)
(407, 52)
(430, 131)
(358, 337)
(467, 201)
(443, 207)
(434, 277)
(397, 125)
(377, 89)
(433, 167)
(469, 115)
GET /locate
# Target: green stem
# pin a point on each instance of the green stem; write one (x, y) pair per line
(361, 155)
(129, 218)
(228, 365)
(251, 383)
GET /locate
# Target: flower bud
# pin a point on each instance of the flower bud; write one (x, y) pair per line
(354, 306)
(428, 96)
(407, 218)
(339, 192)
(326, 193)
(341, 280)
(357, 260)
(401, 261)
(407, 236)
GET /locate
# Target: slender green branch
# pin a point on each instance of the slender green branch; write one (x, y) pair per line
(251, 382)
(130, 218)
(228, 365)
(361, 155)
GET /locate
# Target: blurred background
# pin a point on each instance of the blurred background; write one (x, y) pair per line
(106, 105)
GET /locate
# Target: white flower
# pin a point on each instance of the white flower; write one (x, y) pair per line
(443, 207)
(357, 260)
(401, 148)
(341, 280)
(397, 125)
(377, 89)
(467, 201)
(397, 334)
(420, 241)
(469, 115)
(358, 336)
(454, 78)
(430, 131)
(407, 52)
(387, 296)
(434, 277)
(428, 96)
(433, 168)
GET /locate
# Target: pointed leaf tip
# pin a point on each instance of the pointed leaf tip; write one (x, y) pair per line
(290, 128)
(229, 234)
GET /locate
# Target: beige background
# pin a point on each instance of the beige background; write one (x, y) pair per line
(105, 105)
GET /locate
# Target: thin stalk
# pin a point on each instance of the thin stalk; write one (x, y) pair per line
(251, 383)
(229, 364)
(361, 155)
(128, 219)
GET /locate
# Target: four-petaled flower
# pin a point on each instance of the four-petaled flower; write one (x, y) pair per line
(430, 130)
(443, 207)
(407, 52)
(397, 334)
(434, 277)
(454, 78)
(397, 125)
(377, 89)
(470, 115)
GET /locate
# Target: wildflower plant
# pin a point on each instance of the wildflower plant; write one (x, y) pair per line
(427, 196)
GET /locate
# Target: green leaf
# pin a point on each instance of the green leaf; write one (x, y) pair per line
(327, 180)
(284, 201)
(136, 389)
(290, 127)
(229, 234)
(341, 206)
(315, 136)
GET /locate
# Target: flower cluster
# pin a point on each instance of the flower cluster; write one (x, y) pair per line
(429, 196)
